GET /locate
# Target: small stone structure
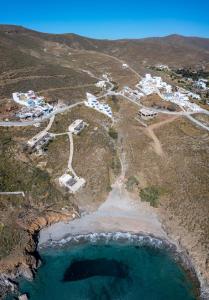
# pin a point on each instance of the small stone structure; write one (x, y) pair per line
(147, 114)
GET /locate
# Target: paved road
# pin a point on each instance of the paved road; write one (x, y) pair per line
(177, 113)
(198, 123)
(154, 109)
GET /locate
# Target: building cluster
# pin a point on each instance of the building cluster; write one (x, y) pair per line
(101, 84)
(95, 104)
(77, 126)
(149, 85)
(33, 105)
(107, 77)
(181, 99)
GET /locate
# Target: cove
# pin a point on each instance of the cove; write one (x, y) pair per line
(108, 271)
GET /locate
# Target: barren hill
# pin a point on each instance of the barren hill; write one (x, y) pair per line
(27, 53)
(172, 49)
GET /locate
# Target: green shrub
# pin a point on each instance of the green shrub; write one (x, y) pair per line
(131, 182)
(114, 103)
(113, 133)
(150, 194)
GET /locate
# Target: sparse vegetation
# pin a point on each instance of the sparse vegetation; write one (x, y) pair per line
(150, 194)
(113, 133)
(115, 165)
(10, 237)
(114, 103)
(131, 183)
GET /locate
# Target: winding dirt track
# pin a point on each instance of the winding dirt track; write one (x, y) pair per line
(149, 131)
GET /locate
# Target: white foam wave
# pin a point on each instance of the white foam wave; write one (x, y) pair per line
(107, 237)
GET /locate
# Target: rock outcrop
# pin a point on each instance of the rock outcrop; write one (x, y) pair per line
(25, 261)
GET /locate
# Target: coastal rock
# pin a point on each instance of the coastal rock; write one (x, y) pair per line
(48, 219)
(7, 284)
(23, 297)
(24, 262)
(26, 272)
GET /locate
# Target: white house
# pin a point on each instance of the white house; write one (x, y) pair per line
(124, 66)
(101, 84)
(77, 126)
(72, 183)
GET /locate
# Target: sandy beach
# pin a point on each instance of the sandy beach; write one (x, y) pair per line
(121, 212)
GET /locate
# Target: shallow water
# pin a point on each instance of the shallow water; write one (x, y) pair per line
(106, 271)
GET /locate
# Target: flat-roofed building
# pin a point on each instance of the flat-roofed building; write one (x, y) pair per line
(147, 114)
(40, 140)
(77, 126)
(73, 184)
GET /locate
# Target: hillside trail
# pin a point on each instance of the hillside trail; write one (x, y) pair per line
(120, 212)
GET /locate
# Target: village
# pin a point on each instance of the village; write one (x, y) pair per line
(149, 85)
(35, 107)
(197, 81)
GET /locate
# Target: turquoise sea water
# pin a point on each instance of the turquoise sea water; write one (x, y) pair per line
(106, 271)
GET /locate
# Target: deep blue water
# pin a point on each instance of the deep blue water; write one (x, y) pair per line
(102, 271)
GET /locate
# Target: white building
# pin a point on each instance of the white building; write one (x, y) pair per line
(77, 126)
(194, 96)
(40, 140)
(162, 67)
(125, 66)
(33, 105)
(92, 102)
(73, 184)
(101, 84)
(201, 83)
(149, 85)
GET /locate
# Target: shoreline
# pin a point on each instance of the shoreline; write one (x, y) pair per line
(139, 239)
(121, 216)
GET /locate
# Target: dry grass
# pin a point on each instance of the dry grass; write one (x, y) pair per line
(182, 174)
